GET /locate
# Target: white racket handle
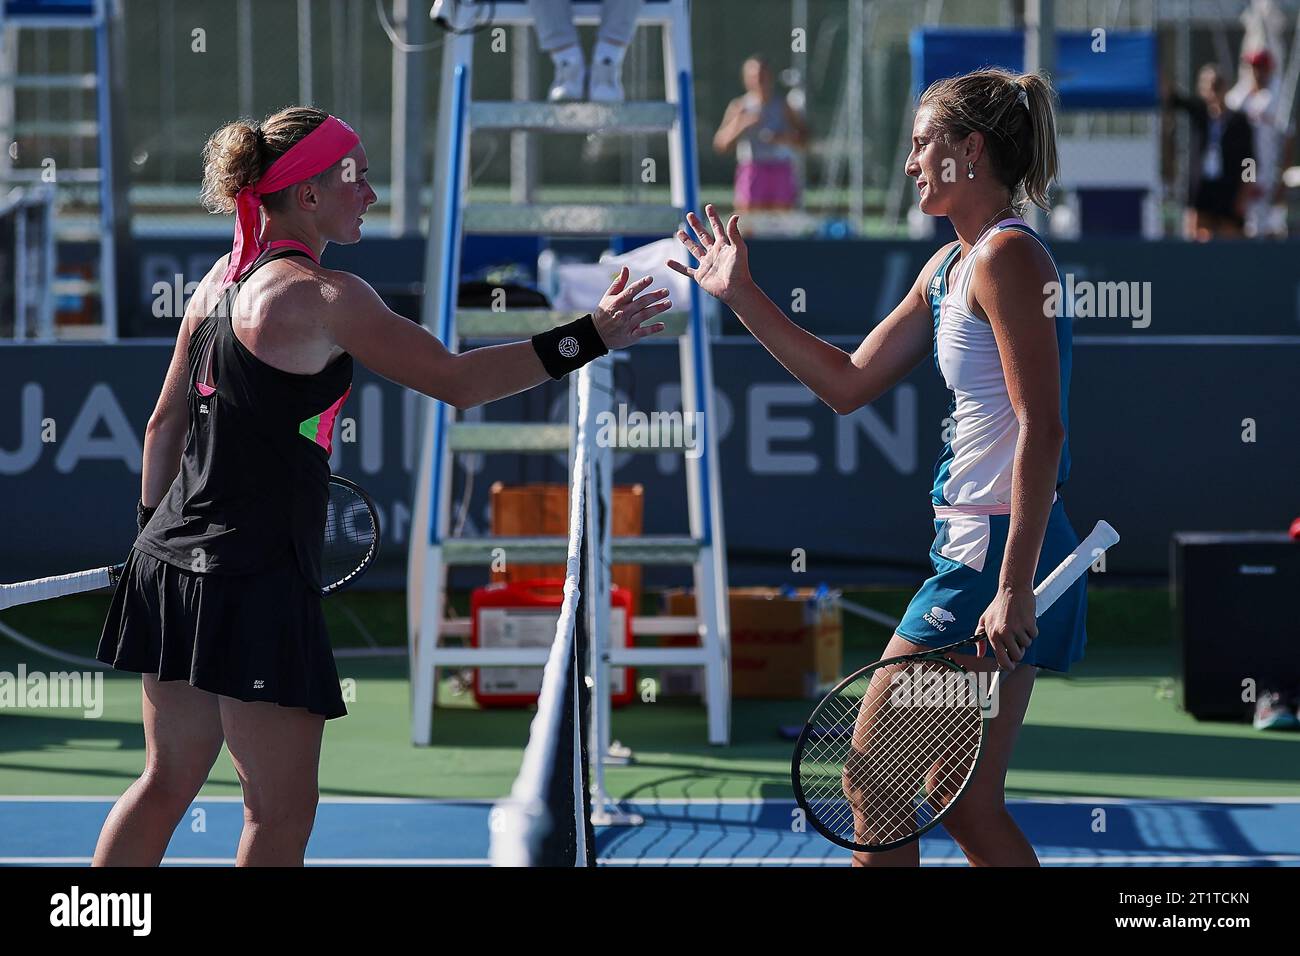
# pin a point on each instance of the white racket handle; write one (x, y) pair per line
(1073, 567)
(58, 585)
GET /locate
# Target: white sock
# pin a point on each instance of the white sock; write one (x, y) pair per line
(567, 56)
(609, 51)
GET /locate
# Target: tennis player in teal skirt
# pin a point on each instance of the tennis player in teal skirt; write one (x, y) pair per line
(982, 308)
(219, 607)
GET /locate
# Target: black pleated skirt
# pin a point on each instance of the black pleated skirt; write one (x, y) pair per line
(253, 637)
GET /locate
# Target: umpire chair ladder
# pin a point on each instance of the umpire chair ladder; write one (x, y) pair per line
(432, 548)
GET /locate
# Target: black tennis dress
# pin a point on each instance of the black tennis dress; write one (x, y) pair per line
(222, 588)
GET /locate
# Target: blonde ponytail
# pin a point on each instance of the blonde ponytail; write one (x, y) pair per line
(1044, 163)
(1016, 113)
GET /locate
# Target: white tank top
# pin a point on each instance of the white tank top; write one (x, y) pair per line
(976, 463)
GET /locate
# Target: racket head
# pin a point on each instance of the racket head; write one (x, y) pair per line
(352, 533)
(889, 751)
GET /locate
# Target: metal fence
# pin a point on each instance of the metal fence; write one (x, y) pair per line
(192, 65)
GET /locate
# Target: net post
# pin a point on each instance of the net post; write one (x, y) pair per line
(583, 842)
(599, 569)
(597, 573)
(591, 399)
(546, 819)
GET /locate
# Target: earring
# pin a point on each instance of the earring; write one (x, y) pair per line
(970, 170)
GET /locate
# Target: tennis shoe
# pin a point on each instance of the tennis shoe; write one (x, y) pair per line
(606, 82)
(570, 80)
(1272, 713)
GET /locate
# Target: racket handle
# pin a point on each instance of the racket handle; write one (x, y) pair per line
(1073, 567)
(58, 585)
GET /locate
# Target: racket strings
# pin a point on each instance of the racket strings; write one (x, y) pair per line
(911, 754)
(897, 771)
(891, 751)
(901, 804)
(351, 534)
(912, 783)
(883, 810)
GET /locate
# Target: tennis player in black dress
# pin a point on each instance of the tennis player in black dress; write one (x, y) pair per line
(219, 608)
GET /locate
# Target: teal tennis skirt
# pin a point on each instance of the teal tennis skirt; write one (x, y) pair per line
(967, 560)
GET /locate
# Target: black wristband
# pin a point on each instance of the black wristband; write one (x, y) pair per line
(568, 347)
(142, 515)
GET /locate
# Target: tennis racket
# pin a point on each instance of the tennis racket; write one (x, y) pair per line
(351, 535)
(351, 543)
(890, 750)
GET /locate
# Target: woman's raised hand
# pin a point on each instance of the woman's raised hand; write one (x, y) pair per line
(724, 259)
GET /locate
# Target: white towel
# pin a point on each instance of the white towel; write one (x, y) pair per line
(582, 284)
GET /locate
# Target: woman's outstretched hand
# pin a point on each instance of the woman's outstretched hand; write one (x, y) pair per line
(724, 259)
(624, 307)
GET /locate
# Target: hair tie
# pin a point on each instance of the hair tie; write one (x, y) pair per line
(1023, 98)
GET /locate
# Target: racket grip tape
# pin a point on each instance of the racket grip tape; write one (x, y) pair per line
(59, 585)
(1073, 567)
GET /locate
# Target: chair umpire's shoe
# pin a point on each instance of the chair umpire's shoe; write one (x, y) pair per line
(570, 82)
(606, 82)
(1271, 713)
(445, 13)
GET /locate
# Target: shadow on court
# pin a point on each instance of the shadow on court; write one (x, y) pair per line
(1258, 757)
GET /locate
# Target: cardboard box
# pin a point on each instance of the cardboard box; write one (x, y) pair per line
(542, 508)
(781, 647)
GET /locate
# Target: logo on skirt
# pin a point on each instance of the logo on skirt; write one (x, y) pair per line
(937, 617)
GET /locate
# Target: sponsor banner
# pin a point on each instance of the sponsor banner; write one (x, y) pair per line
(1168, 437)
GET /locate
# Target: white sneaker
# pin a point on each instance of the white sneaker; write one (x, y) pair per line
(440, 15)
(570, 81)
(606, 82)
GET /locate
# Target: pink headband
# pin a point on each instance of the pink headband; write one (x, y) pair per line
(314, 153)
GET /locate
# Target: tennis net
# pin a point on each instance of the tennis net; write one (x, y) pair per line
(546, 820)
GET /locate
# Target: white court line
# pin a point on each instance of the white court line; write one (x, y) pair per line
(1136, 338)
(954, 861)
(1085, 801)
(414, 801)
(230, 861)
(662, 801)
(1139, 339)
(1102, 861)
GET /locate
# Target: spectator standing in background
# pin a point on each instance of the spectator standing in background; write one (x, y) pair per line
(1221, 142)
(765, 130)
(558, 36)
(1255, 95)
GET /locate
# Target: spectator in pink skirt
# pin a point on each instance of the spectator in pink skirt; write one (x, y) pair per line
(765, 130)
